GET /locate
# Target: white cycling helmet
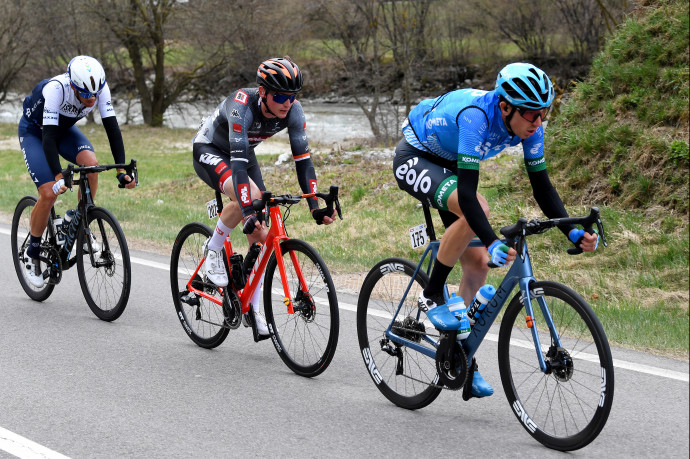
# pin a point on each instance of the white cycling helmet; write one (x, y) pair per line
(86, 75)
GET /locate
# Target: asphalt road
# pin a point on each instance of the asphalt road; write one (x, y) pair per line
(73, 385)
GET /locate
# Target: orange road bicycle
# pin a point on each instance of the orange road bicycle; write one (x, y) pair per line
(299, 297)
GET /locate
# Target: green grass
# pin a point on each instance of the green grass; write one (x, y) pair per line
(623, 136)
(638, 285)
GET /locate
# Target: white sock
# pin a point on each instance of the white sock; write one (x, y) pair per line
(218, 237)
(256, 298)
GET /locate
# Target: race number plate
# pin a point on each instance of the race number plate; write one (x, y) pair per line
(418, 237)
(212, 208)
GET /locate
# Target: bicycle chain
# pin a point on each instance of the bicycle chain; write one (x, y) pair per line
(419, 380)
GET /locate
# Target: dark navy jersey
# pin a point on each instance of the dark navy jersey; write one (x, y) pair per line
(54, 102)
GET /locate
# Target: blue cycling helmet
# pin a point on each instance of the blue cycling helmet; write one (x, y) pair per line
(524, 85)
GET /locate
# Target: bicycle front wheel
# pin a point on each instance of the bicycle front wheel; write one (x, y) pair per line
(305, 340)
(201, 318)
(21, 225)
(103, 264)
(404, 376)
(565, 407)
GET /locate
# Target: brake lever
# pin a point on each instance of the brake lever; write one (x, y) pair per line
(68, 176)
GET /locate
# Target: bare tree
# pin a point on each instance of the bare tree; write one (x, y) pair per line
(352, 41)
(588, 21)
(142, 27)
(526, 23)
(16, 41)
(405, 25)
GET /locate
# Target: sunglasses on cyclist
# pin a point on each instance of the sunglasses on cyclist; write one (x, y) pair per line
(532, 115)
(85, 94)
(279, 98)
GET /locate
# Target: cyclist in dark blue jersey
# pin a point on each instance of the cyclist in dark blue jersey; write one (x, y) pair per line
(224, 158)
(437, 161)
(47, 130)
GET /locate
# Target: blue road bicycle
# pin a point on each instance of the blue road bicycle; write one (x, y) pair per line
(553, 355)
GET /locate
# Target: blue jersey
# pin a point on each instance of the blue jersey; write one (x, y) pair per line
(466, 126)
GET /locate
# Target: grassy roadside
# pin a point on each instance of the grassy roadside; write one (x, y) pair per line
(638, 285)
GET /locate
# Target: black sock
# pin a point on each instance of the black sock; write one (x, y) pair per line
(439, 274)
(34, 250)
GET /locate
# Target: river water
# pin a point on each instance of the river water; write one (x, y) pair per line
(326, 123)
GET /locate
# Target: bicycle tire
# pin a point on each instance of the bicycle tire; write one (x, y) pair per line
(306, 340)
(107, 280)
(20, 237)
(566, 408)
(204, 323)
(379, 298)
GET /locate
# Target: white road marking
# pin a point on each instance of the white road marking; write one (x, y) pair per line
(618, 363)
(22, 447)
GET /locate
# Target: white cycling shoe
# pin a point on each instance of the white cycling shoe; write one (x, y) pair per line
(261, 326)
(32, 272)
(94, 244)
(214, 266)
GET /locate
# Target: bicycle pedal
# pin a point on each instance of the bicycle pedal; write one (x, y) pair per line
(467, 388)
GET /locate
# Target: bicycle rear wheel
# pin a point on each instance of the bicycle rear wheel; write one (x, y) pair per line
(406, 377)
(21, 225)
(305, 340)
(202, 319)
(103, 264)
(565, 407)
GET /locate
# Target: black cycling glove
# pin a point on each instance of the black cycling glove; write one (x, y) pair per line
(249, 223)
(318, 215)
(123, 179)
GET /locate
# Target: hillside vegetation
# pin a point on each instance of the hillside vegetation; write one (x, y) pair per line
(622, 137)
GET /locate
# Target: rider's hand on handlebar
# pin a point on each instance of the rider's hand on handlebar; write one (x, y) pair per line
(321, 216)
(250, 223)
(500, 254)
(125, 180)
(59, 186)
(587, 242)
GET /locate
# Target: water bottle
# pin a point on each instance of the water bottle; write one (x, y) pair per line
(250, 259)
(481, 299)
(70, 226)
(57, 227)
(456, 305)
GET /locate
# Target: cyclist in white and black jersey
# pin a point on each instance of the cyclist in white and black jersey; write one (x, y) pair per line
(224, 158)
(47, 130)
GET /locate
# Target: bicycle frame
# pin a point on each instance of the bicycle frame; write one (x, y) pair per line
(276, 234)
(520, 273)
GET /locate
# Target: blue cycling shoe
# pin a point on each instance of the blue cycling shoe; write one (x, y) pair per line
(480, 388)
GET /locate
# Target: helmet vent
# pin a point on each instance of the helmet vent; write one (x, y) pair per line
(525, 89)
(510, 91)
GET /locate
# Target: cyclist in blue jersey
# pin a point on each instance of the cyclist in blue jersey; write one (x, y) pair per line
(47, 130)
(437, 161)
(224, 159)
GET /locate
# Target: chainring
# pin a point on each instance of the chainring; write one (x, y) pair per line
(232, 308)
(451, 362)
(54, 263)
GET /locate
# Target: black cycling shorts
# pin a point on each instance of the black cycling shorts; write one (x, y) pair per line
(426, 177)
(212, 165)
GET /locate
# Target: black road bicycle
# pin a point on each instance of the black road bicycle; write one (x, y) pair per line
(93, 240)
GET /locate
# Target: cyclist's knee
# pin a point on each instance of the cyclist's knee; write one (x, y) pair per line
(87, 158)
(46, 194)
(475, 260)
